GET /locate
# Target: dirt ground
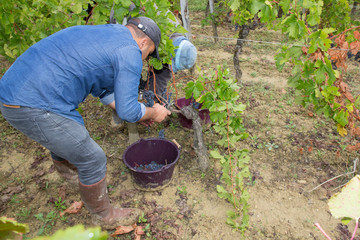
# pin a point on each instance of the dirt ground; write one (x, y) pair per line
(292, 151)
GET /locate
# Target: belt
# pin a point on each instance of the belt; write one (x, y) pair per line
(11, 106)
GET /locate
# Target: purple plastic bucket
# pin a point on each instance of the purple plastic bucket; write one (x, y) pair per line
(143, 152)
(203, 113)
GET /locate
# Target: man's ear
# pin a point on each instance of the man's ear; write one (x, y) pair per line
(143, 42)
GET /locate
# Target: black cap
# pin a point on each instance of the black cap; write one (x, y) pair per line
(151, 29)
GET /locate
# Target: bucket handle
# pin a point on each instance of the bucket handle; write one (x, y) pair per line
(176, 143)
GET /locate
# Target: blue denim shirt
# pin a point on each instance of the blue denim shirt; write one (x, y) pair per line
(60, 71)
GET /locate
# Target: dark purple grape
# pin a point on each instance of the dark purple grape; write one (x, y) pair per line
(162, 134)
(153, 166)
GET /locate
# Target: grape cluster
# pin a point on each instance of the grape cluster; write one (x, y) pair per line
(162, 134)
(149, 97)
(153, 166)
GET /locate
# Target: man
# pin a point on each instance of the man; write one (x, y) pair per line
(40, 92)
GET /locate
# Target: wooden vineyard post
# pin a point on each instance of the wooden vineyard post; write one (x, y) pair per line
(186, 24)
(213, 22)
(185, 17)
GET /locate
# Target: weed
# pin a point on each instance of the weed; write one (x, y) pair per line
(96, 137)
(173, 126)
(147, 230)
(48, 222)
(64, 219)
(142, 218)
(59, 204)
(182, 190)
(291, 125)
(271, 146)
(14, 199)
(24, 213)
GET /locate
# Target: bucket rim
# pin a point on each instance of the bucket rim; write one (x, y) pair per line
(155, 171)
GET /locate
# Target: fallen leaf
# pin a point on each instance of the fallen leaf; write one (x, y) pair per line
(353, 147)
(338, 153)
(123, 229)
(310, 149)
(139, 230)
(74, 208)
(310, 114)
(13, 190)
(301, 150)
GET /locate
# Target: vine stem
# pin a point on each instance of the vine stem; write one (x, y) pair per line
(322, 231)
(345, 31)
(356, 227)
(174, 84)
(230, 157)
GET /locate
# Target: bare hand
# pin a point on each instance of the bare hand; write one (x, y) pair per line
(161, 113)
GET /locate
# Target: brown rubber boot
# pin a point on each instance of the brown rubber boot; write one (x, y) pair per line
(67, 171)
(96, 200)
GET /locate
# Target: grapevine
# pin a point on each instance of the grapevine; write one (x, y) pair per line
(220, 96)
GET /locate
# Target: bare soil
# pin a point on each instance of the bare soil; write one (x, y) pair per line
(292, 151)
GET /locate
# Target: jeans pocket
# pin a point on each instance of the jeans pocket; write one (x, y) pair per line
(29, 127)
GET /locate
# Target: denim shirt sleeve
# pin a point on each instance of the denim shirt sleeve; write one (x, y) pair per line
(110, 98)
(128, 67)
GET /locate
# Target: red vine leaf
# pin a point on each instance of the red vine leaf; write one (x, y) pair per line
(304, 50)
(355, 47)
(339, 40)
(357, 35)
(317, 55)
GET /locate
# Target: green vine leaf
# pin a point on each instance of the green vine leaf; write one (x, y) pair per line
(77, 232)
(9, 228)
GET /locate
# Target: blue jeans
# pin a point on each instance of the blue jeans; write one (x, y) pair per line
(65, 138)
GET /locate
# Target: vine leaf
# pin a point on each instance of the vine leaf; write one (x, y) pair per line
(346, 204)
(357, 35)
(9, 228)
(355, 47)
(341, 130)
